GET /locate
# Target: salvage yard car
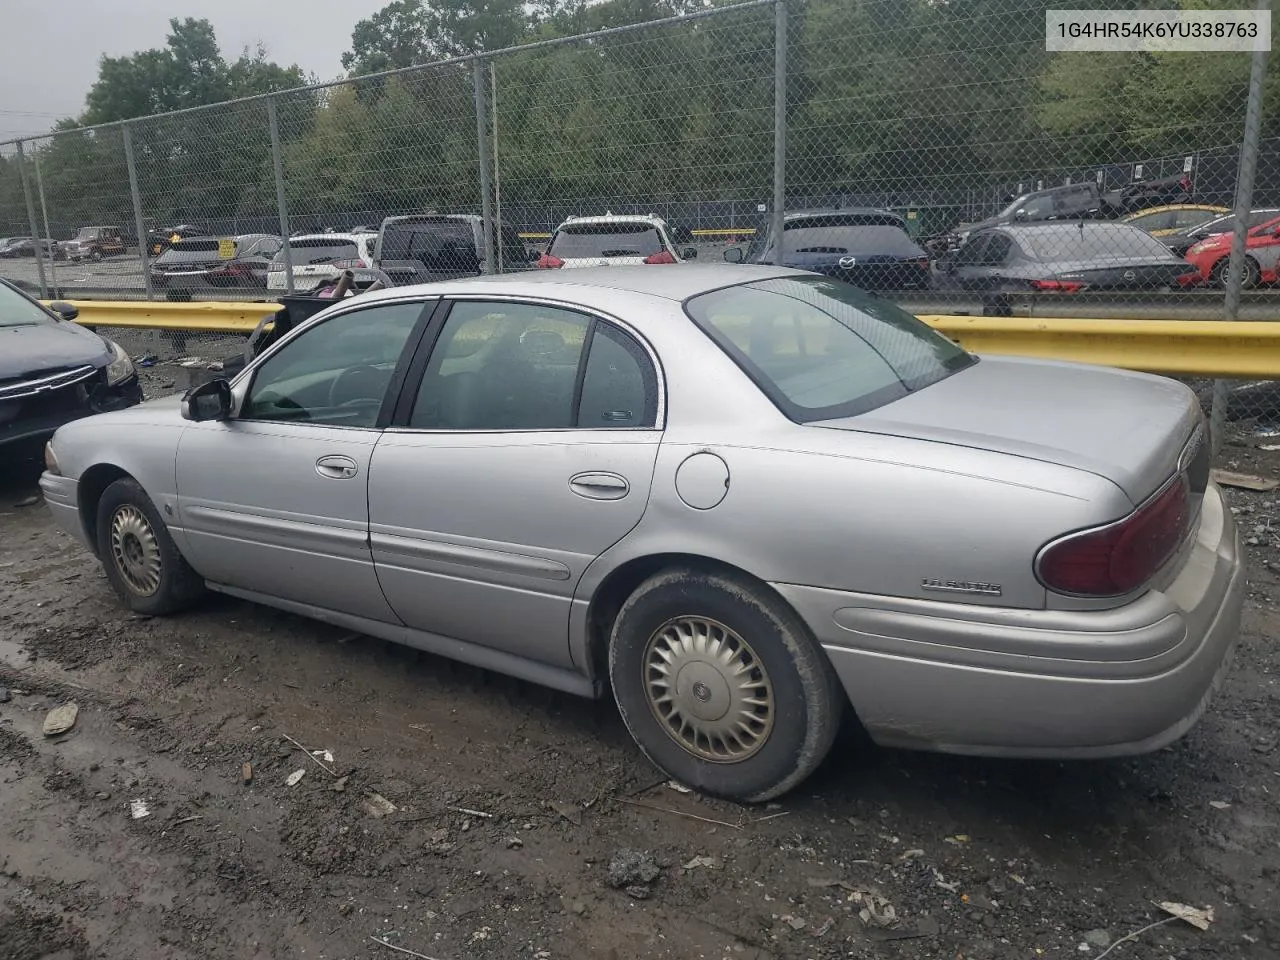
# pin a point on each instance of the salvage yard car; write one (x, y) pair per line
(1212, 256)
(53, 370)
(741, 498)
(612, 240)
(202, 263)
(94, 243)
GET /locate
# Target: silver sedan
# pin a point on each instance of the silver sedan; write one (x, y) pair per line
(742, 499)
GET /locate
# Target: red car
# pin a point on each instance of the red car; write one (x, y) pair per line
(1262, 256)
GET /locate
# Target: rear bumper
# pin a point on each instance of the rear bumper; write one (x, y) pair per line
(963, 678)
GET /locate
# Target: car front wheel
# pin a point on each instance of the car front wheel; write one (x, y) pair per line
(138, 554)
(721, 685)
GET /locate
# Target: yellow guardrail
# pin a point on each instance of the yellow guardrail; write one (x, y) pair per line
(1206, 348)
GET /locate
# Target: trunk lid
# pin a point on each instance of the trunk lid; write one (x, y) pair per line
(1124, 272)
(1130, 428)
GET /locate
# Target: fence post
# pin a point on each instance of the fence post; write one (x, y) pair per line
(1243, 204)
(497, 165)
(136, 196)
(48, 234)
(31, 216)
(482, 142)
(282, 204)
(779, 124)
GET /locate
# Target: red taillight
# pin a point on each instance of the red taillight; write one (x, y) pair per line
(349, 265)
(234, 269)
(1056, 286)
(1122, 556)
(664, 257)
(547, 261)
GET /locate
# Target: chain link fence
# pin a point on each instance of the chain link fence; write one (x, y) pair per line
(935, 153)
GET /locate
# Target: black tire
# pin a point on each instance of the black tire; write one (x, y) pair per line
(1252, 273)
(805, 699)
(95, 256)
(177, 586)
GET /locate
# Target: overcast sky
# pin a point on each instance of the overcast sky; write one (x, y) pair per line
(49, 51)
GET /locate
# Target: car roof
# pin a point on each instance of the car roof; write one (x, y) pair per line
(1062, 226)
(353, 237)
(615, 218)
(829, 211)
(430, 218)
(595, 286)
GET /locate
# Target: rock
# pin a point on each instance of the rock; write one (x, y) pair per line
(339, 785)
(638, 891)
(1098, 938)
(376, 805)
(574, 905)
(628, 867)
(60, 719)
(292, 779)
(102, 795)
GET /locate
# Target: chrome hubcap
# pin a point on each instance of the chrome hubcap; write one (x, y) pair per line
(135, 550)
(708, 689)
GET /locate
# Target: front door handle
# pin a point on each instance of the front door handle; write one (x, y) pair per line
(336, 467)
(599, 486)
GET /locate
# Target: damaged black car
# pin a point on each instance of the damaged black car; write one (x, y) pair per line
(53, 370)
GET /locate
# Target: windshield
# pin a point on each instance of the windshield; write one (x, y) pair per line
(822, 349)
(1092, 241)
(17, 311)
(308, 250)
(606, 240)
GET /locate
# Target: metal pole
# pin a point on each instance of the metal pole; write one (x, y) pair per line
(137, 207)
(497, 172)
(48, 234)
(31, 216)
(779, 124)
(1243, 205)
(282, 204)
(482, 141)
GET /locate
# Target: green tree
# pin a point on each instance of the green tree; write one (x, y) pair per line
(409, 32)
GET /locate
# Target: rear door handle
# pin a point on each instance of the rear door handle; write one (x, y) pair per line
(599, 486)
(336, 467)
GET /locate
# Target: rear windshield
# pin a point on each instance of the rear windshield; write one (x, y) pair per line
(606, 240)
(319, 250)
(185, 251)
(884, 239)
(89, 233)
(431, 244)
(1091, 241)
(822, 349)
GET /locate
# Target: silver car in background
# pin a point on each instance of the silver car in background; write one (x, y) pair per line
(739, 497)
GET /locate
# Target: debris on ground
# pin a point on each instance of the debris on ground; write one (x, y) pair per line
(571, 812)
(679, 787)
(1243, 481)
(246, 773)
(1200, 919)
(292, 779)
(1219, 804)
(696, 862)
(5, 696)
(340, 784)
(795, 923)
(60, 719)
(30, 501)
(634, 871)
(874, 910)
(1097, 938)
(139, 809)
(376, 805)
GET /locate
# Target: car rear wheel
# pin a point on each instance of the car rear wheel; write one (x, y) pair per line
(721, 685)
(138, 554)
(96, 256)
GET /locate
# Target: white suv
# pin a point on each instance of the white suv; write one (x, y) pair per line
(612, 241)
(320, 258)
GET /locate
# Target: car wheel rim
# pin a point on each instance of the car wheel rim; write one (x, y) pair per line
(708, 689)
(135, 550)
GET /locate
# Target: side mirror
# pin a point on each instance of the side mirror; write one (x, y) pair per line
(1020, 214)
(208, 401)
(689, 253)
(733, 255)
(535, 256)
(67, 311)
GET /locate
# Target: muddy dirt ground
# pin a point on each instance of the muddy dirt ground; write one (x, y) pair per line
(463, 816)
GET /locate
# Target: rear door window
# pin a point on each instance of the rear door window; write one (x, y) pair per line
(440, 244)
(576, 241)
(190, 251)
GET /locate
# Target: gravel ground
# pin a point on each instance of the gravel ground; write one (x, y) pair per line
(465, 816)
